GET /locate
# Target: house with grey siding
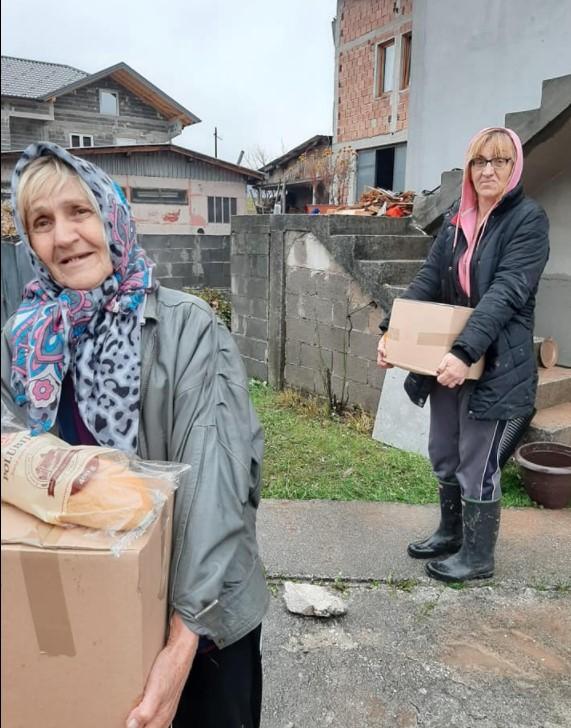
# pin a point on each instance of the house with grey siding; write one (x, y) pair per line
(182, 200)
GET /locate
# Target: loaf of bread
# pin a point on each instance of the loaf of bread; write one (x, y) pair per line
(61, 484)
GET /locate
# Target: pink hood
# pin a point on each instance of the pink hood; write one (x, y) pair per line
(468, 210)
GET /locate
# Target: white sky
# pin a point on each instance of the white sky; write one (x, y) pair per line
(259, 70)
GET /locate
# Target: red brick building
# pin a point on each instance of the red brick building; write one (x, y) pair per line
(373, 40)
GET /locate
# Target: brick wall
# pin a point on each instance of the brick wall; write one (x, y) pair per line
(363, 24)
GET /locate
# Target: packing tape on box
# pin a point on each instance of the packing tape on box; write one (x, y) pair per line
(48, 607)
(425, 338)
(428, 339)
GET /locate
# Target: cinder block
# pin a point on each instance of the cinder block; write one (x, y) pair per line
(293, 305)
(315, 357)
(352, 367)
(240, 265)
(376, 376)
(292, 348)
(300, 280)
(301, 330)
(258, 265)
(334, 286)
(255, 369)
(251, 348)
(256, 328)
(365, 396)
(360, 320)
(257, 288)
(363, 345)
(301, 377)
(332, 337)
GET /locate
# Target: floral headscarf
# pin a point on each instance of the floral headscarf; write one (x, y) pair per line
(94, 335)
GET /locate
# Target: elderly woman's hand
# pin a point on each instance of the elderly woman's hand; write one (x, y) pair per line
(382, 354)
(167, 679)
(451, 372)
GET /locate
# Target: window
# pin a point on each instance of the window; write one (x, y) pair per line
(157, 196)
(6, 191)
(108, 103)
(80, 140)
(405, 60)
(221, 208)
(385, 68)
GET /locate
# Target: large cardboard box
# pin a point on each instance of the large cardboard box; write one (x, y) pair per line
(81, 627)
(421, 333)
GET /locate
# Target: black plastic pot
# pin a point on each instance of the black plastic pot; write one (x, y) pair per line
(546, 472)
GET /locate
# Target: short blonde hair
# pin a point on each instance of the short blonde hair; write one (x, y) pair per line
(51, 172)
(502, 145)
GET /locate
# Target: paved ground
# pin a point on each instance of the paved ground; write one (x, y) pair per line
(410, 652)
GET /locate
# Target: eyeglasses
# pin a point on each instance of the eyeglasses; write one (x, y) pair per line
(496, 162)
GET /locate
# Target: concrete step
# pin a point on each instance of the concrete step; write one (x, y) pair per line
(369, 225)
(389, 247)
(393, 292)
(552, 424)
(392, 272)
(554, 387)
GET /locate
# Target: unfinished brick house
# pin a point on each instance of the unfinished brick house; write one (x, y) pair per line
(373, 40)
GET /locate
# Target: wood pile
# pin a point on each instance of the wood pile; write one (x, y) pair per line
(8, 227)
(376, 201)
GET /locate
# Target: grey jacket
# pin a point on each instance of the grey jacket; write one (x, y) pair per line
(196, 409)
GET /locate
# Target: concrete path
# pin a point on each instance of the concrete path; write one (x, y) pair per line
(413, 653)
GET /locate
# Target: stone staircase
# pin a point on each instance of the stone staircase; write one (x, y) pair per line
(552, 422)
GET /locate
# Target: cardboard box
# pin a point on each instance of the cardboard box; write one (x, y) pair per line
(421, 333)
(81, 627)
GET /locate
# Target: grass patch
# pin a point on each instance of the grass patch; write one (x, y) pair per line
(311, 455)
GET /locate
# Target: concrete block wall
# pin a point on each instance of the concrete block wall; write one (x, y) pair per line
(250, 286)
(194, 261)
(331, 326)
(308, 315)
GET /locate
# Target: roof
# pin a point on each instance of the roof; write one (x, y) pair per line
(43, 81)
(128, 149)
(315, 141)
(32, 79)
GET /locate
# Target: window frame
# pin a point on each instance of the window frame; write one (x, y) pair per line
(405, 60)
(161, 196)
(221, 209)
(81, 138)
(115, 95)
(380, 67)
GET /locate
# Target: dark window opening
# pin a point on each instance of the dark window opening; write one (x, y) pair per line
(384, 168)
(157, 196)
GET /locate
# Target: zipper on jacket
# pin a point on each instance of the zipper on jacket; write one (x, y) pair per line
(145, 376)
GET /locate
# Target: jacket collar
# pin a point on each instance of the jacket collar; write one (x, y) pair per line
(151, 307)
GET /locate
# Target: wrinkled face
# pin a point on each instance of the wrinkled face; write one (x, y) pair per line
(490, 183)
(67, 235)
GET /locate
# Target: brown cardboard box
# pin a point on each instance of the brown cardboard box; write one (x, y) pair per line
(80, 626)
(421, 333)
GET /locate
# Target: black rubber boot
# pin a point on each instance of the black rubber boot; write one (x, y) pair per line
(475, 560)
(447, 538)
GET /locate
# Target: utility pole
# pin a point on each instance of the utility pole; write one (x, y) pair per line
(216, 138)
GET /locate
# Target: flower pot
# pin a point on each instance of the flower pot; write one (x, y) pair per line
(546, 472)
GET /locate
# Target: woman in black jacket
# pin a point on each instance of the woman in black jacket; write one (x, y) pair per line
(489, 255)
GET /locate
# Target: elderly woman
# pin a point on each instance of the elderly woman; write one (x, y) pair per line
(488, 255)
(101, 352)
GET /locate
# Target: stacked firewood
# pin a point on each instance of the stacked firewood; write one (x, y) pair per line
(8, 227)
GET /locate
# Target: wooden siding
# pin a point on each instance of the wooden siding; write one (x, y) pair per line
(26, 131)
(163, 164)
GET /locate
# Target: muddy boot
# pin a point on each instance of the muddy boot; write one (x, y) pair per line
(447, 538)
(475, 560)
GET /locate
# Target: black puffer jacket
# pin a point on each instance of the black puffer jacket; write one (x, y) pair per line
(505, 272)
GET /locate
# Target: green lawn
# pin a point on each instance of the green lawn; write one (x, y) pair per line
(309, 455)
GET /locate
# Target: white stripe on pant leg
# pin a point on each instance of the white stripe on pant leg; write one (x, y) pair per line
(498, 458)
(487, 459)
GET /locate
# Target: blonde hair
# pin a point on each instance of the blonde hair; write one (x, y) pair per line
(47, 172)
(502, 145)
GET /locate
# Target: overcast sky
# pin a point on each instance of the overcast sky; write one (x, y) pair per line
(259, 70)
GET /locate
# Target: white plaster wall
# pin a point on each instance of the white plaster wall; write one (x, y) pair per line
(472, 63)
(553, 313)
(183, 219)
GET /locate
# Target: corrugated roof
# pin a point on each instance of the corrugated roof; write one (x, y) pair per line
(33, 79)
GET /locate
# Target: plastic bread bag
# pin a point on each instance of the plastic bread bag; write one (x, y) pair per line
(96, 487)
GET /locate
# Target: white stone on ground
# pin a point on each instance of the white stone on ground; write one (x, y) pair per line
(312, 601)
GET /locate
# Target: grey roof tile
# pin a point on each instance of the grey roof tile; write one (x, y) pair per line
(33, 79)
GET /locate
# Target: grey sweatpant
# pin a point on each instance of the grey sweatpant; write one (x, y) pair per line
(463, 449)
